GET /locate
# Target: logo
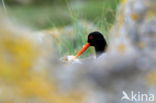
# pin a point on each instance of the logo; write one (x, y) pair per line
(138, 97)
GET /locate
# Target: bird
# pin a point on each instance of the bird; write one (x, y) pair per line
(97, 40)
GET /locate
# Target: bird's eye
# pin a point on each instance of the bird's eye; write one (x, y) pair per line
(90, 37)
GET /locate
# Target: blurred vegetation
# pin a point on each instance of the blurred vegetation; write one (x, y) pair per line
(62, 13)
(44, 15)
(32, 2)
(39, 2)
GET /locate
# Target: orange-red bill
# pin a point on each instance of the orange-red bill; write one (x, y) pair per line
(85, 47)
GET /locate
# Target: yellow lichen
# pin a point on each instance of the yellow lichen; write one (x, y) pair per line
(121, 48)
(151, 78)
(123, 1)
(134, 16)
(16, 56)
(141, 45)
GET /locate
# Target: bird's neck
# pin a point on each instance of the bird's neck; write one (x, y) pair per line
(99, 50)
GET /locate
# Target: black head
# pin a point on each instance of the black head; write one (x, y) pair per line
(97, 40)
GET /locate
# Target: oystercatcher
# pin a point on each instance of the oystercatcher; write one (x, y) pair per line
(97, 40)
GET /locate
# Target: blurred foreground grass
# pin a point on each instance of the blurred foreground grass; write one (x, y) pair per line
(47, 17)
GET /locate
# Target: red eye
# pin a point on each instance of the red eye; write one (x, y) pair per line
(90, 37)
